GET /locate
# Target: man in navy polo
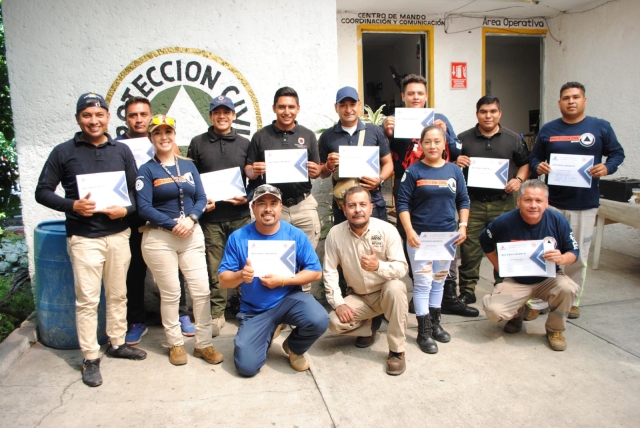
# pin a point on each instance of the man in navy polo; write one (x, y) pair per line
(347, 133)
(97, 240)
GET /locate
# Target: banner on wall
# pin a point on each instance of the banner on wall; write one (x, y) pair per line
(180, 83)
(458, 75)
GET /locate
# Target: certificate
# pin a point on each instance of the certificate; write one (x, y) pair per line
(437, 246)
(359, 161)
(488, 173)
(141, 148)
(273, 258)
(223, 184)
(106, 188)
(525, 258)
(570, 170)
(286, 166)
(411, 121)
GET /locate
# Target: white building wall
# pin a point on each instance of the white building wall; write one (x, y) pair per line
(58, 50)
(599, 49)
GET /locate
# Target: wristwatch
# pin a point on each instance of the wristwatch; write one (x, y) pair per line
(193, 218)
(462, 223)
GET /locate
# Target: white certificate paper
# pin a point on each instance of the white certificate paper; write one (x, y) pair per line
(359, 161)
(525, 258)
(570, 170)
(223, 184)
(273, 258)
(106, 188)
(488, 173)
(411, 121)
(437, 246)
(286, 166)
(141, 148)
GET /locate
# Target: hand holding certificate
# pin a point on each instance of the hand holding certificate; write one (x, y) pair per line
(286, 166)
(488, 173)
(141, 148)
(106, 188)
(359, 161)
(411, 121)
(224, 184)
(437, 246)
(273, 258)
(525, 258)
(570, 170)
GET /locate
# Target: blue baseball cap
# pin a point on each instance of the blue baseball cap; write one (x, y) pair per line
(347, 92)
(90, 99)
(221, 101)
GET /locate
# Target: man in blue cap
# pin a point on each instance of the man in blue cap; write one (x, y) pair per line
(351, 131)
(97, 240)
(221, 147)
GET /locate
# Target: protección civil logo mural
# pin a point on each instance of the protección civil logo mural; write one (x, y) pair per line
(180, 83)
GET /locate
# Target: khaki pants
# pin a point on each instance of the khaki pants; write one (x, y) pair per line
(94, 260)
(391, 301)
(164, 254)
(304, 216)
(508, 299)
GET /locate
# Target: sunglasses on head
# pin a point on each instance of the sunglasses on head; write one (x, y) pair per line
(163, 120)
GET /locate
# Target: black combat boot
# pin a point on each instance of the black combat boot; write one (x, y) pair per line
(452, 305)
(425, 338)
(438, 332)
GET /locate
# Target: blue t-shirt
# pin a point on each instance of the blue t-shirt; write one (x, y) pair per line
(256, 298)
(592, 137)
(432, 196)
(510, 227)
(158, 195)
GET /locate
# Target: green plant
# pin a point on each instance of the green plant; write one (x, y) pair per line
(16, 301)
(376, 118)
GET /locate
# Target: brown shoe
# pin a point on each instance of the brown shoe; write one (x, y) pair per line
(533, 314)
(216, 325)
(298, 362)
(209, 354)
(514, 325)
(366, 341)
(177, 355)
(556, 340)
(395, 363)
(574, 312)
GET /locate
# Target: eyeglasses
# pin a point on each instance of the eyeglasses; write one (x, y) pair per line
(163, 120)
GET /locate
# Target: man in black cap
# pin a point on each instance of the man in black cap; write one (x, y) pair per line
(221, 147)
(97, 240)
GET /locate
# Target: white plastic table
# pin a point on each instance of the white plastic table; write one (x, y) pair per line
(613, 212)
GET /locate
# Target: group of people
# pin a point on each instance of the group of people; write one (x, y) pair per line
(172, 228)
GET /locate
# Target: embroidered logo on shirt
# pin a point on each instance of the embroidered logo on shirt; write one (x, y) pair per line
(587, 139)
(139, 185)
(551, 240)
(452, 184)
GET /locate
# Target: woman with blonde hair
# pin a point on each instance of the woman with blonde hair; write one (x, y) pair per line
(171, 198)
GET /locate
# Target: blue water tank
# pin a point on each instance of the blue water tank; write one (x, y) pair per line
(55, 294)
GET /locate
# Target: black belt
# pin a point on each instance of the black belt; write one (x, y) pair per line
(289, 202)
(488, 198)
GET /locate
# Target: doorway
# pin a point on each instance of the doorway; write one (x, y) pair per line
(513, 73)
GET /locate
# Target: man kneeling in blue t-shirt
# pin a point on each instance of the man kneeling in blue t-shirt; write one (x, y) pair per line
(271, 300)
(532, 221)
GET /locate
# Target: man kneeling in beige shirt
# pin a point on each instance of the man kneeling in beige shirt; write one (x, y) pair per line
(370, 253)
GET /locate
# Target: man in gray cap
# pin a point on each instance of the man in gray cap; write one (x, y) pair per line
(221, 147)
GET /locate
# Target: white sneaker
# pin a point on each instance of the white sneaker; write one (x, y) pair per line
(216, 325)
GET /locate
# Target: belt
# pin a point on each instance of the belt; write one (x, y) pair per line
(289, 202)
(488, 198)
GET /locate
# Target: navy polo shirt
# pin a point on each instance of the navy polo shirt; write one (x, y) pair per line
(273, 138)
(214, 152)
(332, 138)
(77, 156)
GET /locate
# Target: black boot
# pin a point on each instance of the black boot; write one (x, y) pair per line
(438, 332)
(412, 308)
(425, 339)
(452, 305)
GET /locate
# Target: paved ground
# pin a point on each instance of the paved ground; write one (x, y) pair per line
(481, 378)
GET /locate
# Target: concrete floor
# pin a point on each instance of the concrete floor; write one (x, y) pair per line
(481, 378)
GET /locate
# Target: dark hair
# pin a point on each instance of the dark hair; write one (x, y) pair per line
(285, 91)
(135, 100)
(356, 189)
(487, 99)
(570, 85)
(413, 78)
(431, 128)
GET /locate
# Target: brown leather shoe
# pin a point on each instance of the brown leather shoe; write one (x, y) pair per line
(177, 355)
(557, 342)
(574, 312)
(297, 362)
(533, 314)
(366, 341)
(209, 354)
(395, 363)
(514, 325)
